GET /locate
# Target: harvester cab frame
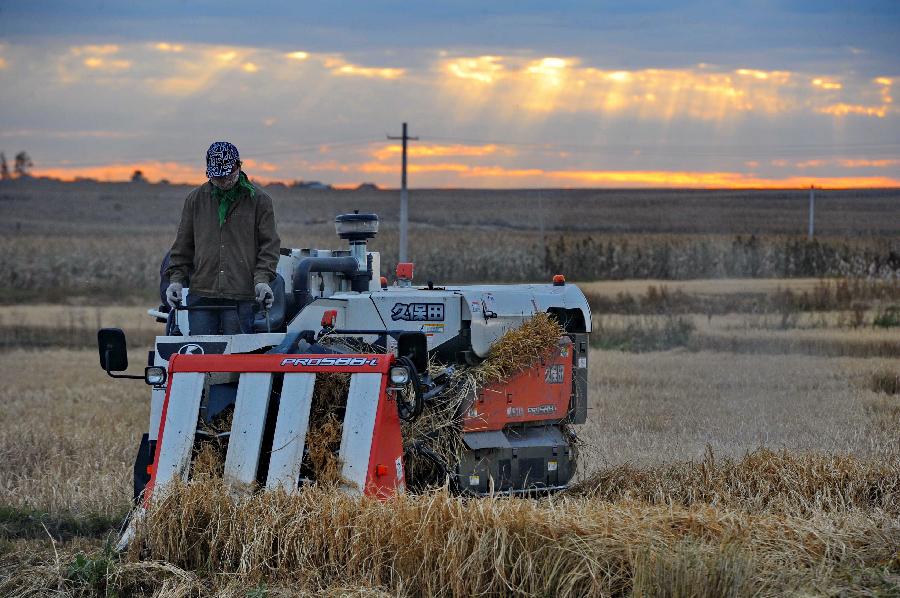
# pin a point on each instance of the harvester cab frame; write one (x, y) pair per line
(403, 347)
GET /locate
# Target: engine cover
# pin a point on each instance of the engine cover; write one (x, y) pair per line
(455, 319)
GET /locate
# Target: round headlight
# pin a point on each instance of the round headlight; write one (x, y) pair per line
(399, 375)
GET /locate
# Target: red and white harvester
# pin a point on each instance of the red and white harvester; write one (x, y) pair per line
(512, 432)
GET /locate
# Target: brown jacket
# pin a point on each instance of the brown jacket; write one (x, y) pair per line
(225, 261)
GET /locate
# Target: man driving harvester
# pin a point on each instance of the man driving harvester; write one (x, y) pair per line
(226, 248)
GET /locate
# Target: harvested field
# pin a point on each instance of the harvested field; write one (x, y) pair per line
(35, 206)
(53, 248)
(827, 334)
(743, 435)
(667, 498)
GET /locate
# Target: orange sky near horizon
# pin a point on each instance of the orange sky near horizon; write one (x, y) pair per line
(555, 121)
(499, 177)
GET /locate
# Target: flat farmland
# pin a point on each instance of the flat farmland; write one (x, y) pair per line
(47, 206)
(102, 243)
(744, 403)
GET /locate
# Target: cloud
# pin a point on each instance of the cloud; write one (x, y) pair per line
(499, 176)
(863, 163)
(95, 50)
(493, 176)
(485, 118)
(826, 84)
(196, 68)
(841, 162)
(153, 170)
(97, 57)
(483, 69)
(428, 150)
(810, 164)
(563, 84)
(103, 64)
(340, 67)
(842, 109)
(48, 134)
(167, 47)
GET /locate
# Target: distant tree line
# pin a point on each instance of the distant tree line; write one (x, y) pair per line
(22, 166)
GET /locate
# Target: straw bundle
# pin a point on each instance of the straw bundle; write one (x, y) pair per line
(437, 544)
(209, 453)
(323, 439)
(712, 528)
(320, 462)
(519, 348)
(439, 428)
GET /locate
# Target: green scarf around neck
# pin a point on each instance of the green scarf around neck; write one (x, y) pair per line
(227, 198)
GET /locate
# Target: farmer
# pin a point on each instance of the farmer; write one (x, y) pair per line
(226, 248)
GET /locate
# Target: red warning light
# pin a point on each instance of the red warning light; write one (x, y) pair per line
(328, 318)
(381, 470)
(405, 271)
(559, 280)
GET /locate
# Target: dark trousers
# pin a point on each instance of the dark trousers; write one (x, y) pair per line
(227, 321)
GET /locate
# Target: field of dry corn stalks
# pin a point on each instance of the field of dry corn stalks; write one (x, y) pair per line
(743, 436)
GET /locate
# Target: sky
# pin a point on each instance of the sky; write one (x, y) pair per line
(510, 94)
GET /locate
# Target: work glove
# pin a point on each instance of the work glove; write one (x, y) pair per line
(264, 295)
(173, 294)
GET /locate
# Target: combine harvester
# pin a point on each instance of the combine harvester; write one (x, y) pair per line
(333, 312)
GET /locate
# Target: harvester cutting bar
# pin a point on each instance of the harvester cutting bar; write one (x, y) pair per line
(371, 448)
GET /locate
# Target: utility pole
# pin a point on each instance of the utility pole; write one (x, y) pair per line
(540, 198)
(404, 197)
(812, 212)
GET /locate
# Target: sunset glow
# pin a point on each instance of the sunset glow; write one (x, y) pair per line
(609, 109)
(342, 68)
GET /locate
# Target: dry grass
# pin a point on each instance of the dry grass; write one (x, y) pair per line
(886, 381)
(738, 473)
(325, 428)
(714, 286)
(68, 433)
(814, 519)
(649, 409)
(100, 241)
(763, 481)
(826, 333)
(518, 349)
(74, 326)
(35, 206)
(439, 545)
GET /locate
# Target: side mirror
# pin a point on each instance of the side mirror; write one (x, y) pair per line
(114, 353)
(113, 350)
(415, 346)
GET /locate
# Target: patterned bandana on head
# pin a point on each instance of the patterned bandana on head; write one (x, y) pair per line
(221, 158)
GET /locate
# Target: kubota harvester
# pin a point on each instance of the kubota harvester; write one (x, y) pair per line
(400, 345)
